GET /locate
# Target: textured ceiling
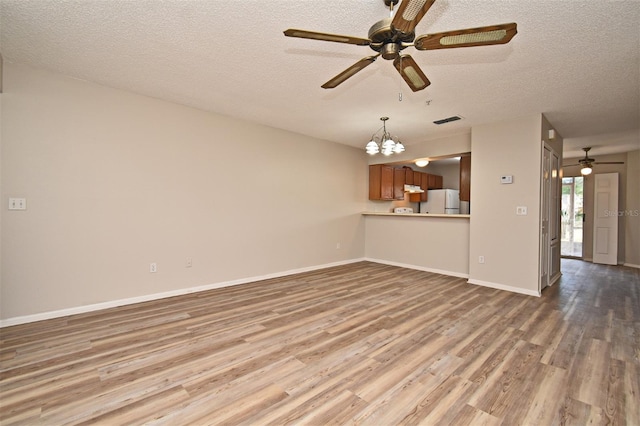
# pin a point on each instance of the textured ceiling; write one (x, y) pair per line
(578, 62)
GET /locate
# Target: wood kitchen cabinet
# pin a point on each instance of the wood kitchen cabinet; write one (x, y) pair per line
(387, 182)
(402, 176)
(380, 182)
(408, 176)
(465, 178)
(421, 179)
(399, 176)
(435, 182)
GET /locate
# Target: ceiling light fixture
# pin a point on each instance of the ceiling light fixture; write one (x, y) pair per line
(422, 163)
(385, 143)
(586, 169)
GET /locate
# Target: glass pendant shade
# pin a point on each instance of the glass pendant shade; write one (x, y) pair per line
(398, 148)
(586, 170)
(388, 144)
(372, 148)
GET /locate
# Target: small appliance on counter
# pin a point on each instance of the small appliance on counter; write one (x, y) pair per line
(403, 210)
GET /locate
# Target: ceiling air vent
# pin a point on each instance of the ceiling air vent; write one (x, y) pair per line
(448, 120)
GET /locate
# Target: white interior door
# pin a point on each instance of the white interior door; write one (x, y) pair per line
(605, 221)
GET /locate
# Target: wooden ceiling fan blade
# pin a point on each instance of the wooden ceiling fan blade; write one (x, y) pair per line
(411, 72)
(340, 78)
(313, 35)
(409, 13)
(608, 162)
(481, 36)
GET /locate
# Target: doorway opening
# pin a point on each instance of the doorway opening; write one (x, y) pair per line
(572, 217)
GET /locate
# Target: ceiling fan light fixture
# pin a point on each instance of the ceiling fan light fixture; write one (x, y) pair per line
(586, 170)
(482, 37)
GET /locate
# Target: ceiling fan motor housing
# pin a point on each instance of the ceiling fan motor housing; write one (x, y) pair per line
(387, 40)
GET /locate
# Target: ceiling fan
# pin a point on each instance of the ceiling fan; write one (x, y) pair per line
(390, 36)
(587, 163)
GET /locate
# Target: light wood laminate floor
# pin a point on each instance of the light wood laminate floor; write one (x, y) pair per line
(356, 344)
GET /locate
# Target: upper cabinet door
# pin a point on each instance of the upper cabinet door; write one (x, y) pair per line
(380, 182)
(465, 178)
(399, 176)
(408, 176)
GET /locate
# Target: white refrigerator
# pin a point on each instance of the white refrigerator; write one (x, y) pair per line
(442, 201)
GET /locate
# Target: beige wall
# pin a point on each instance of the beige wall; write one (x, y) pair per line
(509, 243)
(115, 180)
(428, 243)
(632, 210)
(628, 203)
(429, 148)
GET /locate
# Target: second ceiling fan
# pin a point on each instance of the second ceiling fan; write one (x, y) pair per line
(587, 163)
(390, 36)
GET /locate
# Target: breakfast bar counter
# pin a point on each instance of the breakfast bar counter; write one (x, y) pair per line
(421, 215)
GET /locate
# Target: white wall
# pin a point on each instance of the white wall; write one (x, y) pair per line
(114, 181)
(509, 243)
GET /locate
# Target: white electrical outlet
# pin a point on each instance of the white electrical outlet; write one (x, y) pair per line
(17, 203)
(338, 246)
(188, 263)
(521, 210)
(480, 259)
(153, 267)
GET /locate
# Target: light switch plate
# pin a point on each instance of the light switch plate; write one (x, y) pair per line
(17, 203)
(521, 210)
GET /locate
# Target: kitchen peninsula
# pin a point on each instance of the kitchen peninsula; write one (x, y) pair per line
(428, 242)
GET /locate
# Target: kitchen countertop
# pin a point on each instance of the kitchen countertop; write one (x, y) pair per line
(448, 216)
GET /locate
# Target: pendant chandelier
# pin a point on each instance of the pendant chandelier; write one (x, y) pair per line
(385, 143)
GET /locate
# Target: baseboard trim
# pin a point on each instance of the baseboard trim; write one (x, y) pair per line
(505, 287)
(631, 265)
(418, 268)
(156, 296)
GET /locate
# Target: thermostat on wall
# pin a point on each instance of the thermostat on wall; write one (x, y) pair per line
(506, 179)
